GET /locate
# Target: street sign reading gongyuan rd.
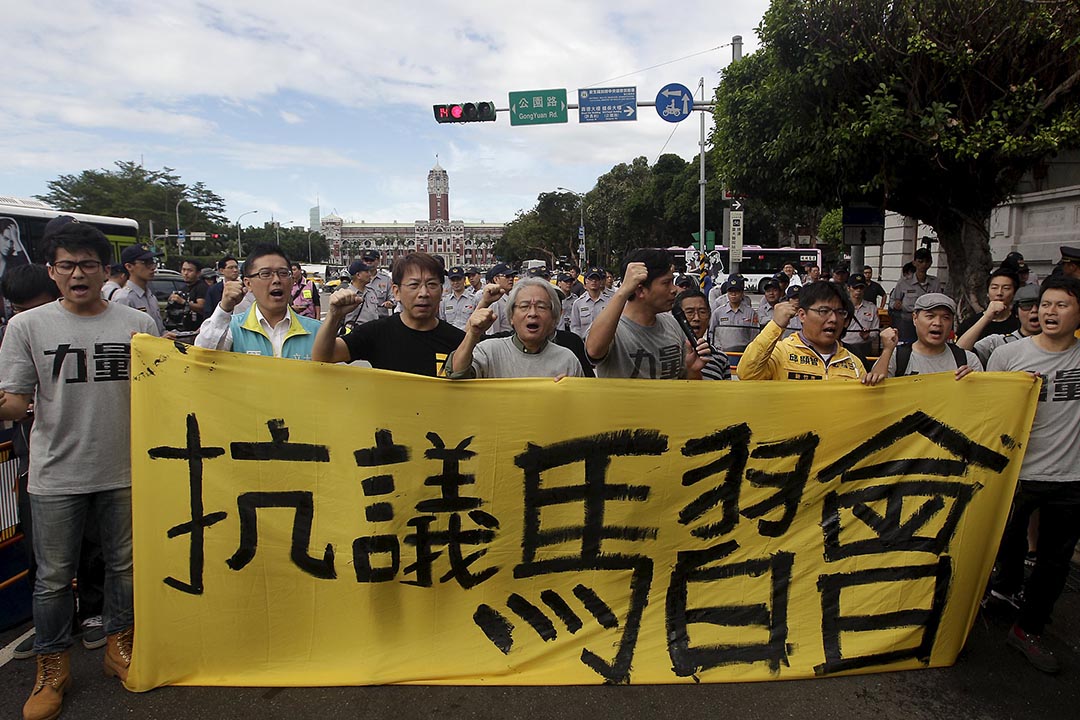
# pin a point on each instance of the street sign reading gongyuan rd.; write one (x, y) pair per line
(538, 107)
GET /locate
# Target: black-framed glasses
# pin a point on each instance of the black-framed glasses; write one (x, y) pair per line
(66, 267)
(267, 273)
(824, 312)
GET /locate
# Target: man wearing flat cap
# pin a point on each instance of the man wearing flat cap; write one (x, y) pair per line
(931, 352)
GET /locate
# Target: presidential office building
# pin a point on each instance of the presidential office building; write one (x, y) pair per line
(457, 242)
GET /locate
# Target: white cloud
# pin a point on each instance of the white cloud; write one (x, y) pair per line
(284, 100)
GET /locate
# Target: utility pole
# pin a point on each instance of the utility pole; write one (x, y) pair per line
(736, 54)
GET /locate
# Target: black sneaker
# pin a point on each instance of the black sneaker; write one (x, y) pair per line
(1032, 647)
(25, 649)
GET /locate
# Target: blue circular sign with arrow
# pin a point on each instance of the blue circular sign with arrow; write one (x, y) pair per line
(674, 102)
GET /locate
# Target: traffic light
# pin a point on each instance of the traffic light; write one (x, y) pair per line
(465, 112)
(219, 236)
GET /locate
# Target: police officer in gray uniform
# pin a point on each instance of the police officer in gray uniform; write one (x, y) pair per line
(734, 325)
(457, 304)
(380, 283)
(589, 305)
(502, 275)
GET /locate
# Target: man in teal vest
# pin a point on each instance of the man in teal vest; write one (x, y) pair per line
(269, 327)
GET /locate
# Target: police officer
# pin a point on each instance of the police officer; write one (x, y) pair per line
(502, 275)
(458, 304)
(476, 281)
(380, 283)
(361, 276)
(734, 325)
(565, 282)
(589, 305)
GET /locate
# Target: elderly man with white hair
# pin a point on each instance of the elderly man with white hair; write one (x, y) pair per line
(533, 310)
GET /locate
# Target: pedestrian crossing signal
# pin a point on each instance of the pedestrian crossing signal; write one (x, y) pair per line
(465, 112)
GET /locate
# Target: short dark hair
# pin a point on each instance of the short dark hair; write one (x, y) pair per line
(1060, 282)
(23, 283)
(192, 261)
(1006, 271)
(825, 290)
(225, 261)
(658, 262)
(421, 260)
(909, 267)
(690, 295)
(262, 250)
(295, 264)
(79, 237)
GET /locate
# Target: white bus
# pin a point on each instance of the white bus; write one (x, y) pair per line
(758, 263)
(22, 225)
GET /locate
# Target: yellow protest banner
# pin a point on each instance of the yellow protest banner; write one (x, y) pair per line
(305, 524)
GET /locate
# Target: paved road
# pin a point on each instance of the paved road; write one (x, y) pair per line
(989, 682)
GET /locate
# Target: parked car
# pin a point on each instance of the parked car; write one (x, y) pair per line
(164, 284)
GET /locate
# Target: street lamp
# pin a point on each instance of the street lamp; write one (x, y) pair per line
(313, 232)
(277, 230)
(581, 231)
(239, 247)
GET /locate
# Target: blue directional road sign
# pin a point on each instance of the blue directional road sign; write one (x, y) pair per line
(607, 104)
(674, 102)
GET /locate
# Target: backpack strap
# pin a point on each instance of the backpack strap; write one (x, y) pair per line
(903, 355)
(959, 355)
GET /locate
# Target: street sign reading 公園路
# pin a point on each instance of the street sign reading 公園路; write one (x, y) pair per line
(538, 107)
(607, 104)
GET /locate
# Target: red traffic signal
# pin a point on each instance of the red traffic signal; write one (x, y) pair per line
(465, 112)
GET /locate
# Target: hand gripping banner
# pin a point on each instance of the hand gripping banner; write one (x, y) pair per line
(297, 523)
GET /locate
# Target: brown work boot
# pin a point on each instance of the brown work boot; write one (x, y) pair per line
(53, 676)
(118, 653)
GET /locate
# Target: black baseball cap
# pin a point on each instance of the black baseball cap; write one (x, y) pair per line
(595, 271)
(135, 253)
(500, 269)
(456, 272)
(370, 255)
(358, 266)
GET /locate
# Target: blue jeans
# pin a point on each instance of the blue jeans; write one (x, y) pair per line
(59, 520)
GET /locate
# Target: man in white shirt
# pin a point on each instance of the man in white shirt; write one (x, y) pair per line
(269, 327)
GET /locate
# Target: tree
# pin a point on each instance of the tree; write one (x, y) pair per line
(831, 231)
(144, 195)
(932, 108)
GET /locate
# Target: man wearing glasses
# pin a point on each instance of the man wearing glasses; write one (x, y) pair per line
(812, 353)
(269, 327)
(141, 265)
(529, 351)
(413, 341)
(71, 358)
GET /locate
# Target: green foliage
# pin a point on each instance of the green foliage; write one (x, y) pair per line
(831, 231)
(143, 195)
(933, 108)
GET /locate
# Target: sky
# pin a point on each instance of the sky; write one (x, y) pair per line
(278, 106)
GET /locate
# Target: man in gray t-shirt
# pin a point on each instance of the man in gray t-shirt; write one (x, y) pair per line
(931, 352)
(72, 359)
(636, 335)
(1049, 474)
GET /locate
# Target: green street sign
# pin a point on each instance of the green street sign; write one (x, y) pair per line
(538, 107)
